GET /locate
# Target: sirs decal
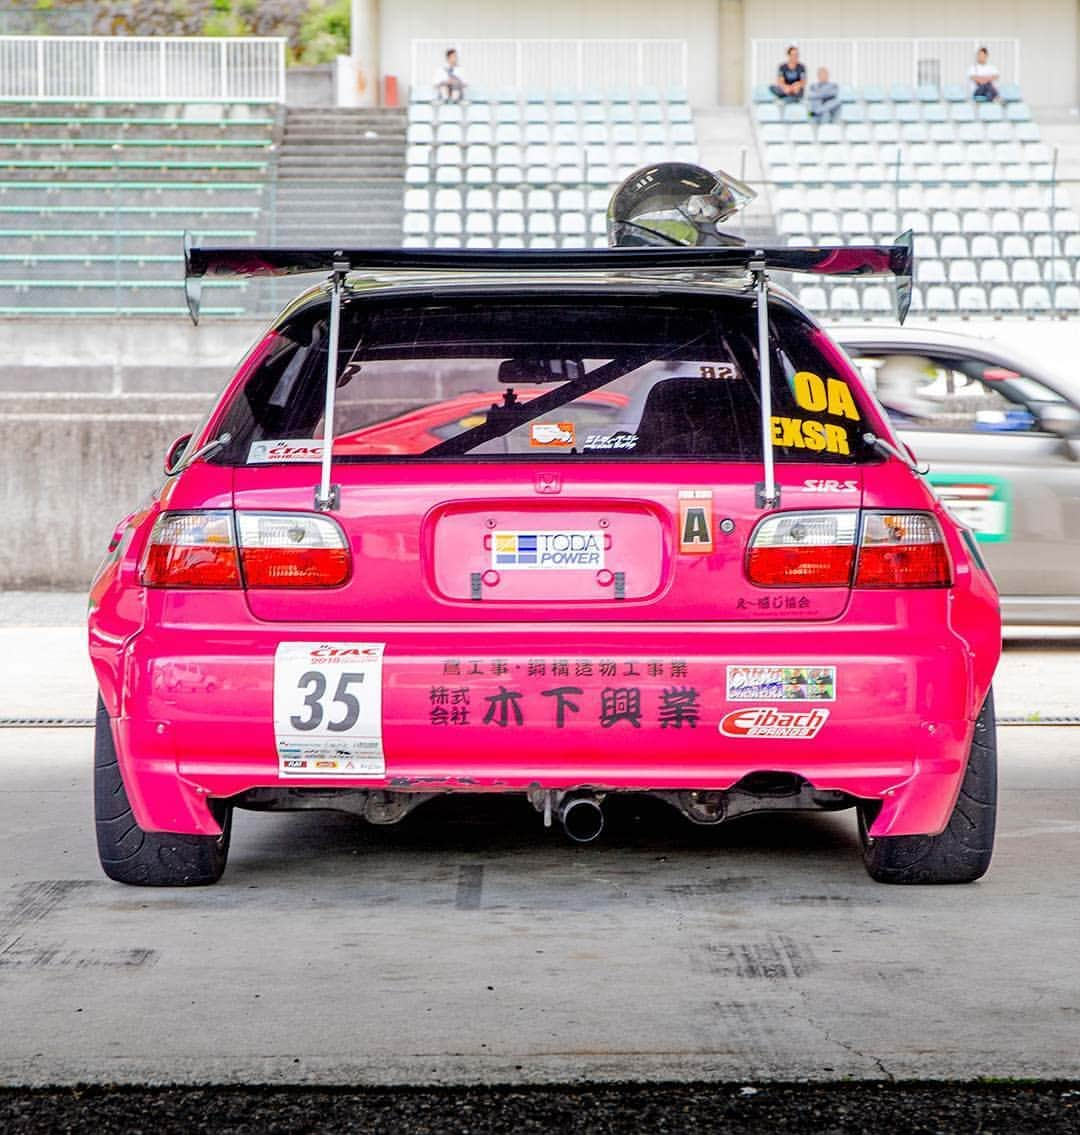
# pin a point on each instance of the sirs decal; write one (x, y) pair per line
(544, 550)
(813, 485)
(284, 451)
(818, 437)
(328, 709)
(551, 435)
(783, 683)
(779, 724)
(695, 520)
(830, 395)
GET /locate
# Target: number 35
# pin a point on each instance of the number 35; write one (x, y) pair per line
(315, 683)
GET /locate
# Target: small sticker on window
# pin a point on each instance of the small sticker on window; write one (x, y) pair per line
(620, 439)
(552, 435)
(283, 451)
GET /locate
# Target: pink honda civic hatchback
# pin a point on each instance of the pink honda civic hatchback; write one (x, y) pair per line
(723, 583)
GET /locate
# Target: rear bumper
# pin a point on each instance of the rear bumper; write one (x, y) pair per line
(196, 715)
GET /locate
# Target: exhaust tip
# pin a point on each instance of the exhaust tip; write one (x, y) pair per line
(582, 819)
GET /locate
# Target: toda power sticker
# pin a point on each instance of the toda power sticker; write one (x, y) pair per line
(284, 451)
(781, 683)
(328, 709)
(779, 724)
(551, 435)
(538, 551)
(695, 520)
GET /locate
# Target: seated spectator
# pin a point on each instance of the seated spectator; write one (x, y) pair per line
(790, 78)
(450, 79)
(984, 75)
(824, 98)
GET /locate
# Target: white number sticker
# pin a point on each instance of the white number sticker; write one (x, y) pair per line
(328, 709)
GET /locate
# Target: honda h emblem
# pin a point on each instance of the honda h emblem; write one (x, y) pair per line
(548, 482)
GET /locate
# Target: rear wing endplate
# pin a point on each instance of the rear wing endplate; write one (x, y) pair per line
(894, 259)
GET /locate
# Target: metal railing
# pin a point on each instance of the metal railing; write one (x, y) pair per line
(141, 69)
(881, 62)
(549, 64)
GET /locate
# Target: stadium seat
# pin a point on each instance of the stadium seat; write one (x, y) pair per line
(976, 221)
(1067, 298)
(1015, 247)
(854, 226)
(953, 247)
(877, 300)
(931, 272)
(963, 272)
(448, 200)
(1057, 271)
(845, 300)
(417, 200)
(478, 224)
(814, 298)
(953, 92)
(990, 112)
(993, 272)
(927, 92)
(945, 222)
(925, 247)
(940, 299)
(1026, 272)
(1035, 299)
(480, 200)
(971, 299)
(1005, 221)
(415, 224)
(447, 224)
(793, 112)
(1004, 300)
(541, 224)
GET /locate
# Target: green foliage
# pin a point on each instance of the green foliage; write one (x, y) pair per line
(324, 31)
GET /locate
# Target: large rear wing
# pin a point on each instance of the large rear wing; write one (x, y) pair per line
(894, 259)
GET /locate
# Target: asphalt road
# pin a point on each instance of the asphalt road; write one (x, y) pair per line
(468, 946)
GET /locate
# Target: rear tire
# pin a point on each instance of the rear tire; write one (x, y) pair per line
(131, 855)
(962, 852)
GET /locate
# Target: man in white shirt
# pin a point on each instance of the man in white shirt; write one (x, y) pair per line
(984, 75)
(450, 79)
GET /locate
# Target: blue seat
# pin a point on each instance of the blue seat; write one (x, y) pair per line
(879, 112)
(1010, 92)
(678, 94)
(648, 94)
(963, 112)
(761, 94)
(907, 112)
(794, 112)
(901, 92)
(1018, 112)
(873, 94)
(953, 92)
(768, 112)
(935, 112)
(847, 94)
(991, 112)
(854, 112)
(927, 92)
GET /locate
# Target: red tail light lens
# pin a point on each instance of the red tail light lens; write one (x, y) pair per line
(904, 549)
(804, 549)
(288, 549)
(191, 549)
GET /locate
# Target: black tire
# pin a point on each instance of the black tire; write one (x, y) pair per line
(147, 859)
(962, 852)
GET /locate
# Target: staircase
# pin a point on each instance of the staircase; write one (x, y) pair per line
(340, 174)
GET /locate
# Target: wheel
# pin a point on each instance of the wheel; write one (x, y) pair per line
(961, 854)
(146, 859)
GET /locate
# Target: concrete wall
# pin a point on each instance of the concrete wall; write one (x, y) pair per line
(719, 32)
(311, 86)
(1047, 29)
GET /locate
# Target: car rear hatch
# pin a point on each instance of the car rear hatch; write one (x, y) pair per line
(610, 468)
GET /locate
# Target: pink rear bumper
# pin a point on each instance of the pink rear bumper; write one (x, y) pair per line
(196, 717)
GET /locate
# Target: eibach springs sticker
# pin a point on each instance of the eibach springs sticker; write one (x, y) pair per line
(779, 724)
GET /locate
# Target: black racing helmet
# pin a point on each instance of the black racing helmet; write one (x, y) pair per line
(675, 203)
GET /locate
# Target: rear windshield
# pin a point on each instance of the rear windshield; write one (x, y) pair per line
(557, 378)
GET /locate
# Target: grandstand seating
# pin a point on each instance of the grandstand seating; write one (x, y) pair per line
(95, 198)
(974, 182)
(510, 171)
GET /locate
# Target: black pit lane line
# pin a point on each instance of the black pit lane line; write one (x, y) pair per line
(846, 1108)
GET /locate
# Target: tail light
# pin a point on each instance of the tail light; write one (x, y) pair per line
(200, 549)
(902, 549)
(191, 549)
(826, 549)
(289, 549)
(804, 549)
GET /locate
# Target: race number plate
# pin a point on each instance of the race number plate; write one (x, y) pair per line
(328, 709)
